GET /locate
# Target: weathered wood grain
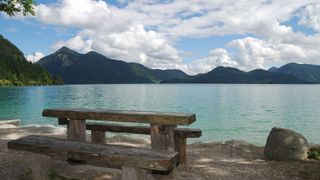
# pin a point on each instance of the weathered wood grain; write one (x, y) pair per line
(121, 128)
(41, 166)
(133, 173)
(180, 135)
(181, 147)
(103, 154)
(158, 137)
(164, 118)
(76, 130)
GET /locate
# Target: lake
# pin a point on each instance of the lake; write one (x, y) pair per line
(223, 111)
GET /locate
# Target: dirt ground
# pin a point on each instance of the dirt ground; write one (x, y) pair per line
(229, 160)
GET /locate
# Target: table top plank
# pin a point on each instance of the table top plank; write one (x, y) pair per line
(152, 117)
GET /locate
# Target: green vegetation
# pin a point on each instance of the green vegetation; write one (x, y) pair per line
(314, 153)
(233, 75)
(15, 70)
(12, 7)
(306, 72)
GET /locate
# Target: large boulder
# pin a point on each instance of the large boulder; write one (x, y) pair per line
(285, 144)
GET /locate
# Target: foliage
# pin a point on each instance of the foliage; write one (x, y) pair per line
(15, 70)
(306, 72)
(314, 154)
(233, 75)
(11, 7)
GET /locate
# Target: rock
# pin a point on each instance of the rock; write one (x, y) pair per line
(284, 144)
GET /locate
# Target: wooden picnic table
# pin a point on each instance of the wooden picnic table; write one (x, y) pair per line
(162, 124)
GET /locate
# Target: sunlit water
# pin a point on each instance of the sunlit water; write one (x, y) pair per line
(223, 112)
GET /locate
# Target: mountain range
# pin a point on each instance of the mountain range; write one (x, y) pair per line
(230, 75)
(94, 68)
(16, 70)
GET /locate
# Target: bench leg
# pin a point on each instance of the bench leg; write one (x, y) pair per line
(42, 165)
(181, 147)
(98, 137)
(133, 173)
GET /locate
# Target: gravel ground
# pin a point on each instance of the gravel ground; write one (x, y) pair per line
(229, 160)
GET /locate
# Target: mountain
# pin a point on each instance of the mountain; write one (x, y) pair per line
(306, 72)
(16, 70)
(94, 68)
(233, 75)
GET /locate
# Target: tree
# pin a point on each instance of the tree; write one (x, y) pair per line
(11, 7)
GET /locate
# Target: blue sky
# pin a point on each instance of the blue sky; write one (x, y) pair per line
(194, 36)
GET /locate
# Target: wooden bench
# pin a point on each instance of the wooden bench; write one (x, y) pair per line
(98, 135)
(162, 126)
(134, 162)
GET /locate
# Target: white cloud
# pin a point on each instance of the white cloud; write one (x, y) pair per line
(35, 57)
(145, 31)
(310, 16)
(134, 45)
(216, 57)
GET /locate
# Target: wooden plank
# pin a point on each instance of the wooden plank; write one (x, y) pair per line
(101, 153)
(15, 122)
(188, 132)
(98, 137)
(165, 118)
(133, 173)
(41, 166)
(169, 130)
(121, 128)
(76, 130)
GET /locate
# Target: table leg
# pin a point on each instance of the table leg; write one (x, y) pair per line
(76, 130)
(162, 137)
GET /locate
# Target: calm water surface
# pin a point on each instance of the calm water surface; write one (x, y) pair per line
(224, 112)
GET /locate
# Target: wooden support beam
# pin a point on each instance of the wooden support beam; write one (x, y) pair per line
(41, 167)
(181, 147)
(76, 130)
(133, 173)
(162, 137)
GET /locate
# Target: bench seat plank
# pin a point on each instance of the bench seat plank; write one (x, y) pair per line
(163, 118)
(120, 128)
(110, 154)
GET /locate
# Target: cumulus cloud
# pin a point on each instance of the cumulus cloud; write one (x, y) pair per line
(145, 31)
(216, 57)
(310, 16)
(35, 57)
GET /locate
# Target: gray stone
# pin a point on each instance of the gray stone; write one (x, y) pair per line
(284, 144)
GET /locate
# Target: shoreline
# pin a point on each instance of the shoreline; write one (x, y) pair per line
(233, 159)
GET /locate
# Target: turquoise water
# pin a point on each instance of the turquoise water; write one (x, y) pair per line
(224, 112)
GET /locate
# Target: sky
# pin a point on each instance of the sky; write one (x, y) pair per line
(192, 35)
